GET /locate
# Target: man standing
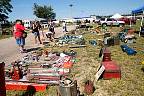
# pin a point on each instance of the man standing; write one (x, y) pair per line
(51, 28)
(18, 34)
(35, 28)
(64, 26)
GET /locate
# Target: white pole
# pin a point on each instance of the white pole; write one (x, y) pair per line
(141, 23)
(0, 29)
(130, 21)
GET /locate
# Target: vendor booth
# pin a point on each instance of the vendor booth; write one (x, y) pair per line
(137, 11)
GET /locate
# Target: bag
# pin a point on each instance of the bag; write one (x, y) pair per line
(24, 34)
(128, 50)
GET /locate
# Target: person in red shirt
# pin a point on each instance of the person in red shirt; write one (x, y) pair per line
(18, 34)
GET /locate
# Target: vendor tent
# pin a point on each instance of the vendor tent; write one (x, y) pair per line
(116, 16)
(139, 10)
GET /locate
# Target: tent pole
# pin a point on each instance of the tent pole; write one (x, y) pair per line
(141, 22)
(130, 21)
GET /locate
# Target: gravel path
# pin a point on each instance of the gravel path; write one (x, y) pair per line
(9, 51)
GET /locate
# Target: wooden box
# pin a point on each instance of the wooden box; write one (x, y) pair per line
(111, 70)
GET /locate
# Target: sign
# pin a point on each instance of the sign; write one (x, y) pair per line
(99, 72)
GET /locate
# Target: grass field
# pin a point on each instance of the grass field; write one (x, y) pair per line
(87, 62)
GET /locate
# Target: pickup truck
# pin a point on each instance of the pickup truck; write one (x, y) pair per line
(128, 20)
(110, 21)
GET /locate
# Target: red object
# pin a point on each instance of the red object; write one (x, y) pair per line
(47, 77)
(89, 87)
(106, 55)
(2, 80)
(128, 20)
(67, 58)
(111, 70)
(16, 74)
(67, 64)
(18, 30)
(131, 31)
(25, 86)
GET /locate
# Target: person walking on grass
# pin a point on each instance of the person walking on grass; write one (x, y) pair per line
(35, 29)
(18, 32)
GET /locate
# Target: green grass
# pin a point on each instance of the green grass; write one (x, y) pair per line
(137, 26)
(5, 36)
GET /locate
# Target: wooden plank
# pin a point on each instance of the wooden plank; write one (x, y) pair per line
(25, 86)
(99, 72)
(2, 80)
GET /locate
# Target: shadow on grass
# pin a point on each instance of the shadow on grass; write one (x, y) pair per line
(33, 49)
(30, 91)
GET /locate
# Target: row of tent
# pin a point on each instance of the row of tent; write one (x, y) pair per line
(136, 11)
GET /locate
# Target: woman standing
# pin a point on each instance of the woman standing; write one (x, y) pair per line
(18, 34)
(35, 28)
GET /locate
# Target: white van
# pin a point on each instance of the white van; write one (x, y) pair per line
(27, 23)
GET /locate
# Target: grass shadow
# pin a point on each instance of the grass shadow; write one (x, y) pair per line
(33, 49)
(30, 91)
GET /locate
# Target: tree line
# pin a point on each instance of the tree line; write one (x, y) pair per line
(46, 12)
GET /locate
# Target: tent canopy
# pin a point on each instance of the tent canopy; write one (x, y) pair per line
(116, 16)
(138, 10)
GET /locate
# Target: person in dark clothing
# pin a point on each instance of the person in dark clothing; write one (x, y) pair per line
(35, 28)
(51, 28)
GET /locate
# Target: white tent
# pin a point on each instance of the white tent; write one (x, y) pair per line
(116, 16)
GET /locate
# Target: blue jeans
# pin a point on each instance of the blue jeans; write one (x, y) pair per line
(36, 33)
(20, 41)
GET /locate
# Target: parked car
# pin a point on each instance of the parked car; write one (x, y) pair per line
(110, 21)
(128, 20)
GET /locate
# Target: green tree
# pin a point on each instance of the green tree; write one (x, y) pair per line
(45, 12)
(5, 9)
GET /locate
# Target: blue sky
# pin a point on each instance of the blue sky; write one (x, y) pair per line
(23, 9)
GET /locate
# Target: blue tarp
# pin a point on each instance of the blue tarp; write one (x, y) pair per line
(139, 10)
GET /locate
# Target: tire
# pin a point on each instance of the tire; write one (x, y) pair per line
(104, 24)
(121, 25)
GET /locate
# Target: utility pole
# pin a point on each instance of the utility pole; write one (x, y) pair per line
(71, 5)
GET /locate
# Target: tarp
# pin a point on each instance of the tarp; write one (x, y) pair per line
(138, 10)
(116, 16)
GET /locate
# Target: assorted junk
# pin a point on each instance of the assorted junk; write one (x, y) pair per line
(69, 39)
(48, 69)
(93, 42)
(112, 70)
(128, 50)
(89, 87)
(67, 87)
